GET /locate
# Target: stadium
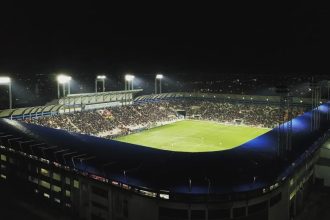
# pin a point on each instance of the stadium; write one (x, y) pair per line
(118, 155)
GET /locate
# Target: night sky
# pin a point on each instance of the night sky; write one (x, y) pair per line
(189, 39)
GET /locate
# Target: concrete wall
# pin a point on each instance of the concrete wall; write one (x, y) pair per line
(322, 169)
(323, 172)
(144, 208)
(281, 209)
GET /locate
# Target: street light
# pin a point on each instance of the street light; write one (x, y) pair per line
(63, 79)
(159, 77)
(102, 79)
(4, 80)
(129, 82)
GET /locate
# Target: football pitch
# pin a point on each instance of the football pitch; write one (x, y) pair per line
(194, 136)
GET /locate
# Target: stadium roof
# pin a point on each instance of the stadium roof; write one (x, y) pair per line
(29, 110)
(68, 103)
(89, 98)
(228, 97)
(245, 168)
(104, 93)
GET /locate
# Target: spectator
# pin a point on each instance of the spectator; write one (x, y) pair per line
(122, 120)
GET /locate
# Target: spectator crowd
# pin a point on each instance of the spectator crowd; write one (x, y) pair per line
(122, 120)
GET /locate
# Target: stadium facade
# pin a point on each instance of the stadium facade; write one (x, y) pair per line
(95, 178)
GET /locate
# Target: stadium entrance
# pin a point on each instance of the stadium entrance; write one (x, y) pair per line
(181, 113)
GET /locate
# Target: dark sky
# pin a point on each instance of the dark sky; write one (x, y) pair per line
(88, 38)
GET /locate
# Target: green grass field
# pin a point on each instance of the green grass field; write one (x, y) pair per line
(194, 136)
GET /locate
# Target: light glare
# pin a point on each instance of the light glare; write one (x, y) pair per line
(101, 77)
(4, 80)
(159, 76)
(129, 77)
(63, 79)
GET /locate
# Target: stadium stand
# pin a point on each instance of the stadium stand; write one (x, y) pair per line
(120, 120)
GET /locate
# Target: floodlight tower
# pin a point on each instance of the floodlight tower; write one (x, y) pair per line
(63, 80)
(129, 81)
(284, 122)
(158, 77)
(100, 78)
(5, 80)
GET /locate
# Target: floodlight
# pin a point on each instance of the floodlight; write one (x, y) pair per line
(101, 77)
(5, 80)
(129, 77)
(63, 79)
(159, 76)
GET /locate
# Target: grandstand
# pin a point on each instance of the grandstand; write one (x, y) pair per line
(73, 158)
(73, 103)
(123, 119)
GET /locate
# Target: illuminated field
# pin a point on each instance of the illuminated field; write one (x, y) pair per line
(194, 136)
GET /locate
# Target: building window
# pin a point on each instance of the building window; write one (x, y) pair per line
(67, 180)
(3, 176)
(148, 193)
(44, 184)
(44, 172)
(56, 188)
(67, 193)
(76, 184)
(3, 157)
(46, 195)
(164, 196)
(57, 200)
(57, 176)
